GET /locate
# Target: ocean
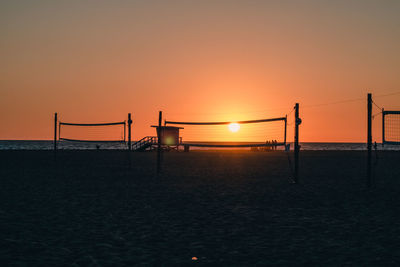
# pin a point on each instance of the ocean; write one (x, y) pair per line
(48, 145)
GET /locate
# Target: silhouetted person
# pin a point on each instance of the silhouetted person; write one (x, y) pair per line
(267, 147)
(287, 147)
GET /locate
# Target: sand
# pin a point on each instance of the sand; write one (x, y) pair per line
(227, 208)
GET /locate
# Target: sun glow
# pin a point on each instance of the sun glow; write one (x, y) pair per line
(234, 127)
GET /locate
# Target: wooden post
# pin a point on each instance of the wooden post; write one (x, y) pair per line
(159, 133)
(285, 130)
(55, 131)
(369, 138)
(129, 131)
(124, 132)
(383, 126)
(296, 143)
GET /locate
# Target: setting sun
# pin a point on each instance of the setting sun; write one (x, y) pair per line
(234, 127)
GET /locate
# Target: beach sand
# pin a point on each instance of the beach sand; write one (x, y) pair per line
(227, 208)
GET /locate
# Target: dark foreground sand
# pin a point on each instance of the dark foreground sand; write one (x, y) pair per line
(227, 208)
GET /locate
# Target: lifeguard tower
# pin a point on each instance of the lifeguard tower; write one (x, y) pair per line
(169, 136)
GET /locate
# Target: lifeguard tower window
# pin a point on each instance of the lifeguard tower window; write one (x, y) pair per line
(169, 135)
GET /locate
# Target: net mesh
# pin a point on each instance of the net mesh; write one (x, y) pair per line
(242, 133)
(92, 133)
(392, 128)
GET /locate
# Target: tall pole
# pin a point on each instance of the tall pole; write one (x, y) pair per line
(383, 126)
(55, 131)
(296, 143)
(124, 131)
(159, 133)
(285, 130)
(369, 138)
(129, 131)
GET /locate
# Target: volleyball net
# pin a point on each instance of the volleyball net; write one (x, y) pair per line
(110, 135)
(250, 133)
(113, 132)
(391, 127)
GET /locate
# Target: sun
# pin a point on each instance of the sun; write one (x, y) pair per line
(234, 127)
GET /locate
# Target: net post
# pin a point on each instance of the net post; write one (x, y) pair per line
(129, 131)
(55, 131)
(159, 132)
(284, 141)
(296, 143)
(369, 138)
(383, 126)
(124, 131)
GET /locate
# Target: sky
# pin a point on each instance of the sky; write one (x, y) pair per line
(95, 61)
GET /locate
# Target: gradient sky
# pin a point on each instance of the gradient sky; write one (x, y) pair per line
(95, 61)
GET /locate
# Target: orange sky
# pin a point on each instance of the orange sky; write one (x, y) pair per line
(211, 60)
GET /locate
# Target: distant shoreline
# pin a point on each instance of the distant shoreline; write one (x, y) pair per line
(305, 146)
